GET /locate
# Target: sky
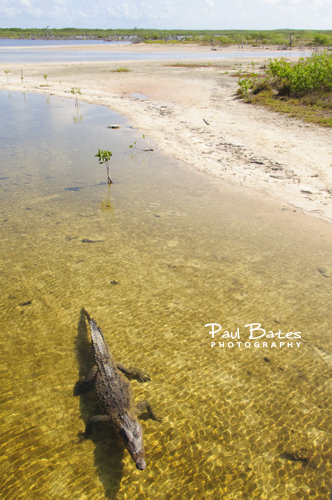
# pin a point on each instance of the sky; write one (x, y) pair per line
(167, 14)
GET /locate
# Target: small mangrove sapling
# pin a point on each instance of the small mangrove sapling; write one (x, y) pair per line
(146, 142)
(104, 157)
(76, 91)
(7, 75)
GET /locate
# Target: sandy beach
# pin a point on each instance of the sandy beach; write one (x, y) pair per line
(193, 114)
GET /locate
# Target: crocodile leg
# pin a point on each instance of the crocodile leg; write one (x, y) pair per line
(135, 372)
(90, 376)
(84, 384)
(145, 405)
(94, 420)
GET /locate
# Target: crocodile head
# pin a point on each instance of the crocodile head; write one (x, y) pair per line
(131, 432)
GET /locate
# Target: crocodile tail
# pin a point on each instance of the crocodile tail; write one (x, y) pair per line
(98, 341)
(99, 344)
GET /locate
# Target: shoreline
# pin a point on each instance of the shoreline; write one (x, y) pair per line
(192, 114)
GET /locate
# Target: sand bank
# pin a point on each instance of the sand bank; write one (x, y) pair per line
(192, 113)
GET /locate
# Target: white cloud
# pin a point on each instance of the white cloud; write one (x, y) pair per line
(126, 8)
(290, 3)
(167, 14)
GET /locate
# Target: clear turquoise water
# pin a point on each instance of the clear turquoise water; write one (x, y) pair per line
(153, 258)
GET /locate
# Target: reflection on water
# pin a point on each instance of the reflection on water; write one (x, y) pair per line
(154, 257)
(38, 56)
(106, 204)
(79, 116)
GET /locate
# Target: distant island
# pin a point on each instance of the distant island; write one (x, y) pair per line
(282, 37)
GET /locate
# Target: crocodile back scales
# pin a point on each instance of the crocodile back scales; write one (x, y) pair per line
(112, 387)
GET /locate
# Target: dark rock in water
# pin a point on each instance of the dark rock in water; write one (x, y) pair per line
(324, 272)
(301, 455)
(86, 240)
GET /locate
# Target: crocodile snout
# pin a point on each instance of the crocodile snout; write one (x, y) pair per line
(132, 434)
(140, 464)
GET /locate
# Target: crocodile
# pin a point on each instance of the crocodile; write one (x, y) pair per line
(115, 395)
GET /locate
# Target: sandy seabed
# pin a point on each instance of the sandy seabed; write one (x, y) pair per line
(193, 114)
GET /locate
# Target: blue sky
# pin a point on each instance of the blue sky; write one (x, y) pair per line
(167, 14)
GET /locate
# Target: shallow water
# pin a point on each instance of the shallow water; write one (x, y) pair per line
(153, 258)
(18, 55)
(138, 96)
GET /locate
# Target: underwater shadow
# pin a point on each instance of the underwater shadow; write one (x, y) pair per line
(108, 452)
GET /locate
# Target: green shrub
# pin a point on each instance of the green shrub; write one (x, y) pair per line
(308, 74)
(261, 86)
(285, 88)
(222, 40)
(246, 85)
(321, 39)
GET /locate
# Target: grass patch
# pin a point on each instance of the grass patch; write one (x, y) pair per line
(302, 89)
(300, 108)
(120, 70)
(244, 74)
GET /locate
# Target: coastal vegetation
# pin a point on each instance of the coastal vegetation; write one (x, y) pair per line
(214, 37)
(302, 89)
